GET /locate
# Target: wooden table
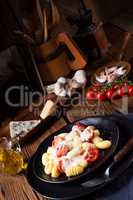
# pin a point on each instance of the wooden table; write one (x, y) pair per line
(17, 187)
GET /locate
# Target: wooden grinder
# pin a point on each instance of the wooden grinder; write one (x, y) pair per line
(53, 59)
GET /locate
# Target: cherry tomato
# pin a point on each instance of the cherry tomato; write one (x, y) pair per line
(60, 166)
(61, 150)
(130, 90)
(57, 140)
(101, 96)
(115, 86)
(110, 93)
(80, 125)
(92, 155)
(120, 91)
(90, 95)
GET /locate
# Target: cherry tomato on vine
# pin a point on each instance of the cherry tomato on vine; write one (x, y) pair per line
(90, 95)
(120, 91)
(92, 155)
(116, 86)
(110, 93)
(101, 96)
(130, 90)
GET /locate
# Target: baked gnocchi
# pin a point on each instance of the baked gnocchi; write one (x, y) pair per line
(72, 152)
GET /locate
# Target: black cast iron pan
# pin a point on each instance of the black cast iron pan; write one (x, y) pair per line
(109, 131)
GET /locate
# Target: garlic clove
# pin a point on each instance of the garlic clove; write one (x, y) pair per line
(112, 69)
(121, 71)
(63, 93)
(80, 76)
(57, 88)
(62, 80)
(101, 79)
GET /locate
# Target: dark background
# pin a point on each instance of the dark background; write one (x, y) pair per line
(15, 60)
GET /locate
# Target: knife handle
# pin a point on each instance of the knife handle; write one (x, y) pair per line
(128, 147)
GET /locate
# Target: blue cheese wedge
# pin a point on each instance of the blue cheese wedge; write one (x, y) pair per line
(22, 128)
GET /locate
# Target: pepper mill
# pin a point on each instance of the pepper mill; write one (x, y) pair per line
(90, 37)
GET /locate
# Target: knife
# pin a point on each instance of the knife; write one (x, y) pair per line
(128, 147)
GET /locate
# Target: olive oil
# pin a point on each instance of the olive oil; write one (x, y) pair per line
(11, 161)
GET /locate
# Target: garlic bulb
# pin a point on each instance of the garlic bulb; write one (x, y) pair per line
(120, 71)
(64, 87)
(62, 93)
(59, 90)
(80, 76)
(62, 80)
(102, 78)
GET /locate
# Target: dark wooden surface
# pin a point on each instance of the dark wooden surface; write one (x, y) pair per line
(8, 189)
(17, 187)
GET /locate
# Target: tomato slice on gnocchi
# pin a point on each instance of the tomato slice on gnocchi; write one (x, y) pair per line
(70, 153)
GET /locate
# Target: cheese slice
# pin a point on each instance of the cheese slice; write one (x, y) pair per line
(22, 128)
(48, 109)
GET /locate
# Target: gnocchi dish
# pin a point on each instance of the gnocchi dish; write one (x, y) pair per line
(70, 153)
